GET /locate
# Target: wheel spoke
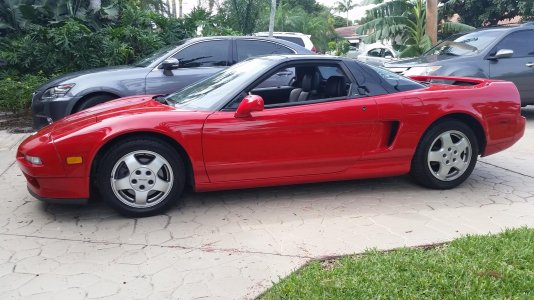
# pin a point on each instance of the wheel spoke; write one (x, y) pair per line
(443, 170)
(141, 197)
(460, 164)
(161, 185)
(435, 155)
(132, 163)
(123, 184)
(156, 164)
(446, 140)
(462, 145)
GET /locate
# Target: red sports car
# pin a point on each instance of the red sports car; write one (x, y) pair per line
(250, 126)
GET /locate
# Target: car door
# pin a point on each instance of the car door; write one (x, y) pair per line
(197, 61)
(520, 67)
(374, 56)
(296, 139)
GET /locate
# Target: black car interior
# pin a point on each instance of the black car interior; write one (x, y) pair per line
(308, 83)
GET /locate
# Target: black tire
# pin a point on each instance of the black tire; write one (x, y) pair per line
(421, 169)
(92, 101)
(125, 148)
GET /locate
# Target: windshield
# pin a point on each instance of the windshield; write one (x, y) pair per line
(147, 60)
(208, 93)
(465, 44)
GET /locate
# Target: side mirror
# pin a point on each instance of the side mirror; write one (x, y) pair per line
(503, 53)
(170, 64)
(388, 57)
(249, 104)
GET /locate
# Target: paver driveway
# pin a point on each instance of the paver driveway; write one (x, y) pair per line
(233, 244)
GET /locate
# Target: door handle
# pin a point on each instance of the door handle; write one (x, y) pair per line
(530, 65)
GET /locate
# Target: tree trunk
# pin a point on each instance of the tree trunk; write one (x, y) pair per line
(95, 5)
(431, 25)
(271, 18)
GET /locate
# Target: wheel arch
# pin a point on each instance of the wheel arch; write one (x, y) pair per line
(189, 178)
(470, 121)
(79, 102)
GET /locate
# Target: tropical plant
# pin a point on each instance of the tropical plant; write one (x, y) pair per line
(209, 24)
(15, 92)
(403, 23)
(346, 6)
(244, 15)
(73, 45)
(319, 25)
(488, 12)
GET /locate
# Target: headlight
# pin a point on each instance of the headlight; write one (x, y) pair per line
(421, 70)
(57, 91)
(34, 160)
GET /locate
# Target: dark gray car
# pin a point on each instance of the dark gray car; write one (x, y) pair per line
(505, 52)
(168, 70)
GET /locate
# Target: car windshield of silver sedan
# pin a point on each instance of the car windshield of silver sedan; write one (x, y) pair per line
(210, 92)
(465, 44)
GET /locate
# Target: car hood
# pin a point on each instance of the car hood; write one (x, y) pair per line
(421, 61)
(124, 107)
(97, 72)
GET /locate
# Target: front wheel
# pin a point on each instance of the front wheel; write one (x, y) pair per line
(141, 177)
(445, 156)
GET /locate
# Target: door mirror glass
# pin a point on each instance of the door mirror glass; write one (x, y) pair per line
(170, 64)
(248, 105)
(503, 53)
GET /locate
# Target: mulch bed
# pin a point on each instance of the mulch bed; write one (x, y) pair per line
(16, 123)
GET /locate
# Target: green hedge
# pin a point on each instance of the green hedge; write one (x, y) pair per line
(15, 93)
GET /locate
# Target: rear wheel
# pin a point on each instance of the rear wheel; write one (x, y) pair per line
(141, 177)
(446, 155)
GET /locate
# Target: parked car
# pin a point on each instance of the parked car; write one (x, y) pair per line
(298, 38)
(378, 55)
(505, 52)
(338, 119)
(163, 72)
(353, 52)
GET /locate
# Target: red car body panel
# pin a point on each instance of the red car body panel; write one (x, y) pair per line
(334, 140)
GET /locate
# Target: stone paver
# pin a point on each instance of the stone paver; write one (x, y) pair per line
(234, 244)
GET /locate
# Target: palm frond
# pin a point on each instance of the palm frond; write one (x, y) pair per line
(391, 8)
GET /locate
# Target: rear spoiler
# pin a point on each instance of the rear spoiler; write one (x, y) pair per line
(454, 80)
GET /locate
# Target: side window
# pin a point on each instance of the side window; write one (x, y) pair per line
(310, 83)
(388, 53)
(521, 42)
(374, 52)
(398, 82)
(282, 78)
(250, 48)
(204, 54)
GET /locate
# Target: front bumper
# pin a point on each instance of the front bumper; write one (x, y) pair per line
(50, 180)
(43, 111)
(58, 200)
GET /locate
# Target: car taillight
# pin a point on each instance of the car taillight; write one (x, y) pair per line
(314, 50)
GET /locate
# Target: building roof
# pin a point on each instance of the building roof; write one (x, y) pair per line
(348, 32)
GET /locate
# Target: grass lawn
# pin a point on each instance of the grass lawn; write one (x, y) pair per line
(473, 267)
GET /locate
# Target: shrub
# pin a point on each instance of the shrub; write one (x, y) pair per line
(16, 93)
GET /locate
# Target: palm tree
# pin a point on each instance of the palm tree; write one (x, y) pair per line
(345, 6)
(431, 26)
(403, 22)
